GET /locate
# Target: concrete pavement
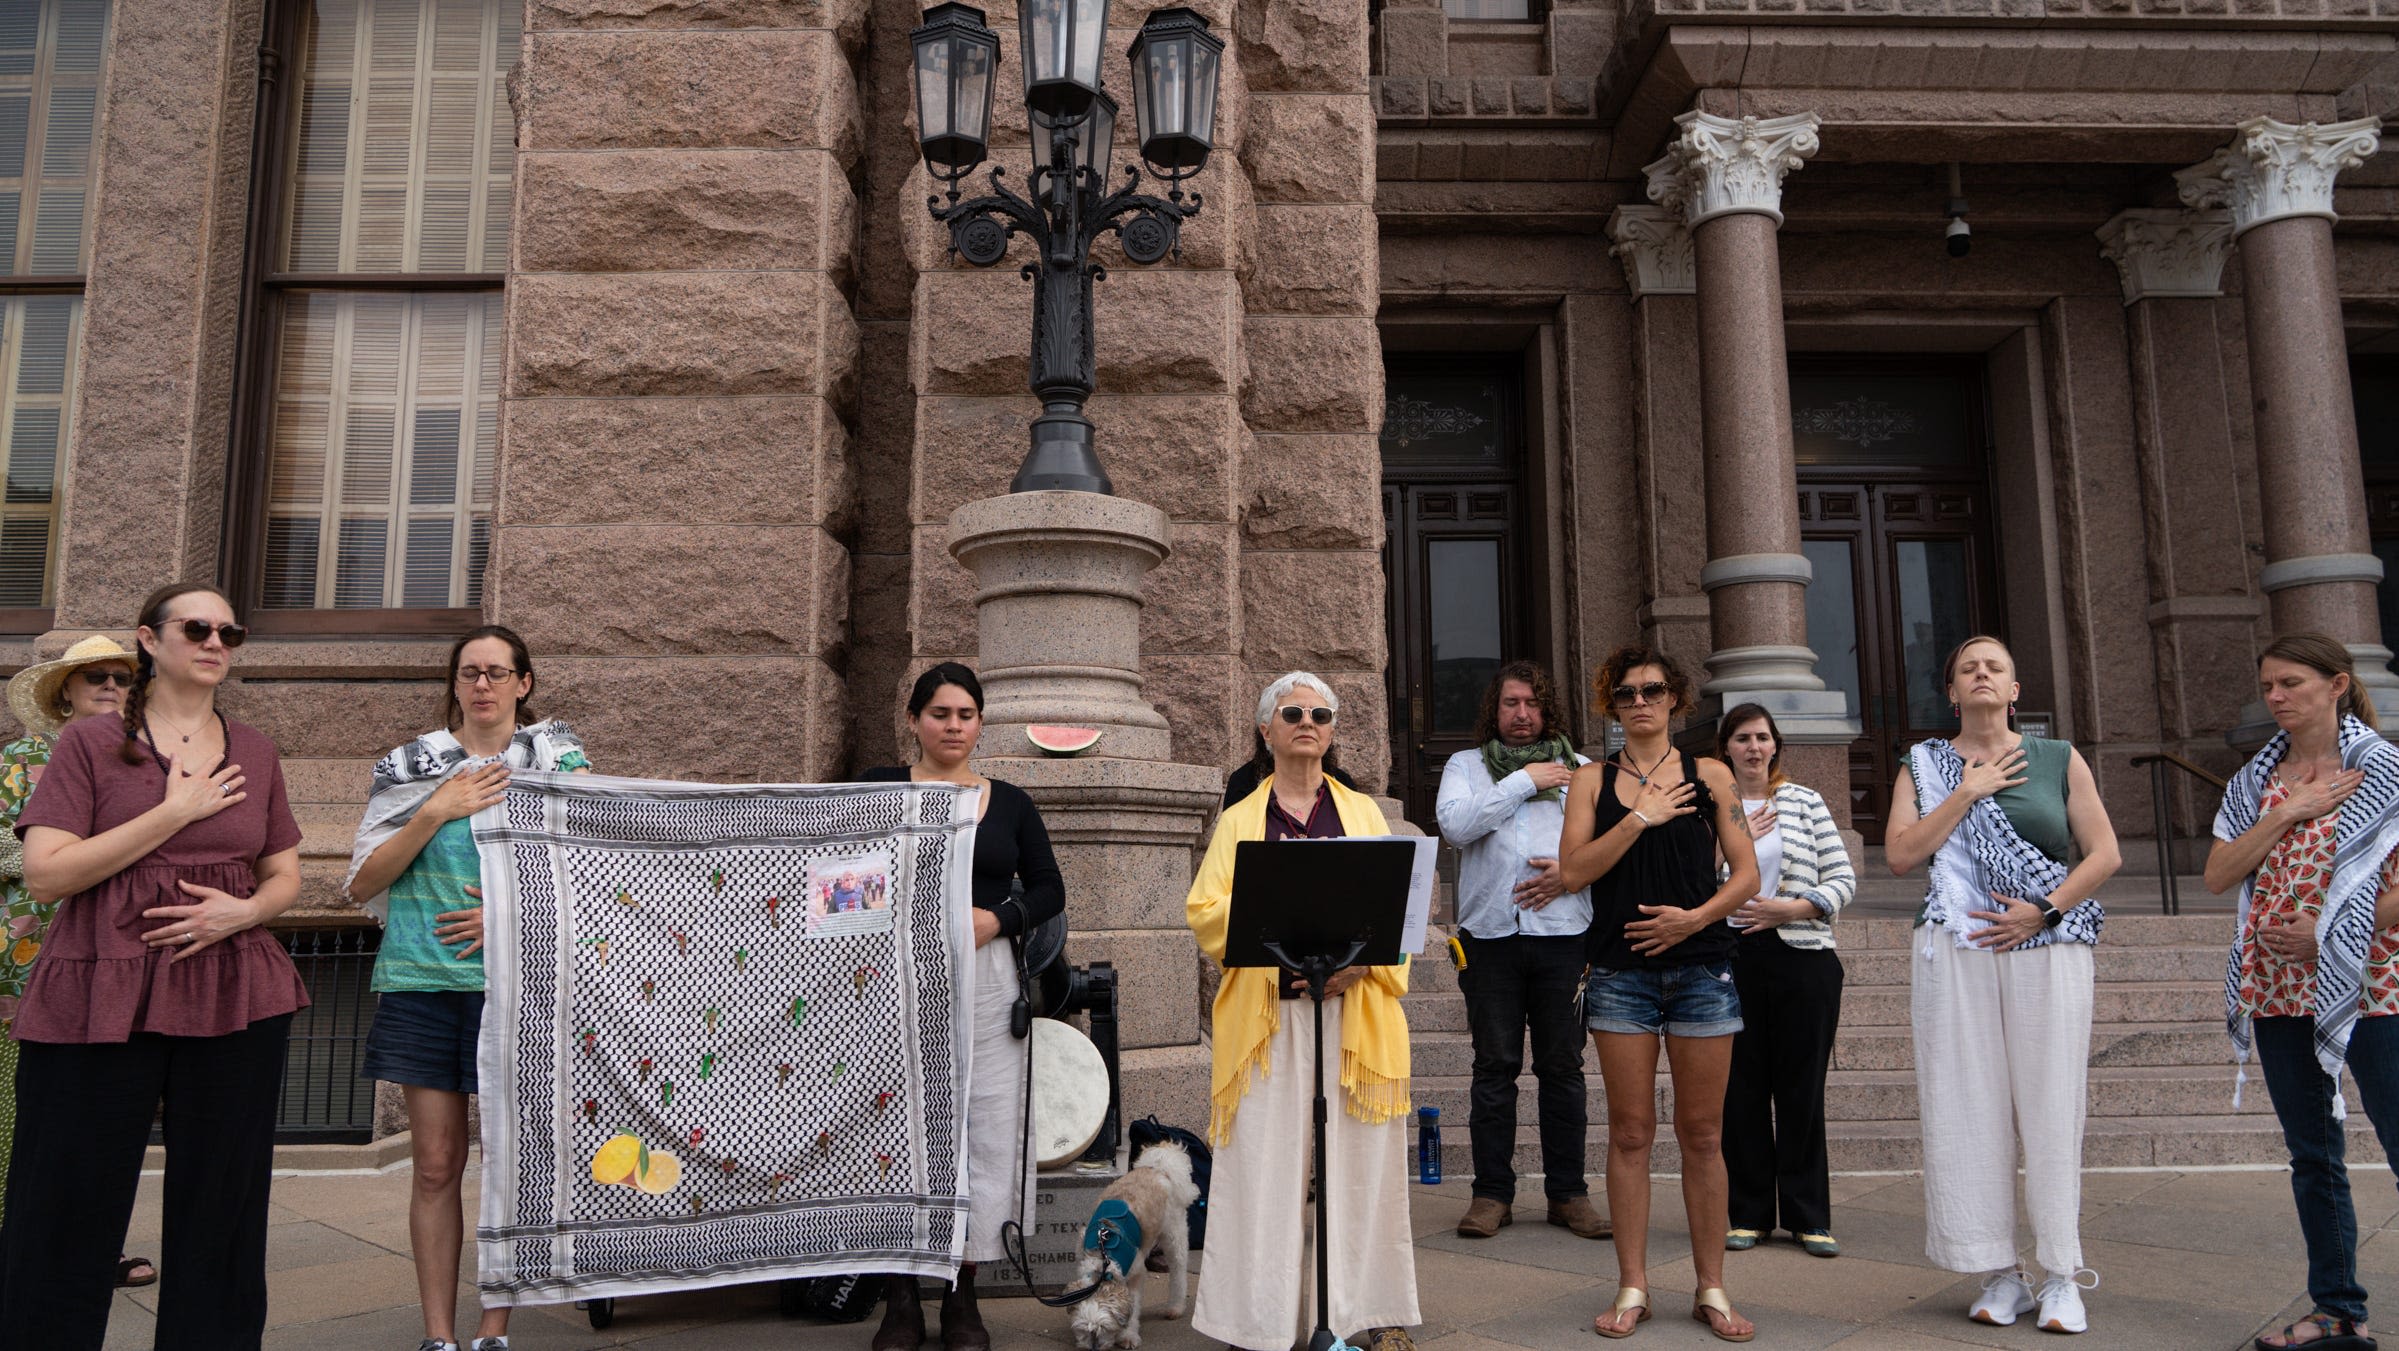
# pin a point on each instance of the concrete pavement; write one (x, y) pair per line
(2189, 1261)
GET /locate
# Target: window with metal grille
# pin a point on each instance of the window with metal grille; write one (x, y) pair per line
(51, 58)
(324, 1100)
(380, 421)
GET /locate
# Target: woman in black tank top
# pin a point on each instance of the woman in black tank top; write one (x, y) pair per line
(1643, 830)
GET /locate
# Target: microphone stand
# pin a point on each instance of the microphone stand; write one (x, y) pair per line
(1317, 970)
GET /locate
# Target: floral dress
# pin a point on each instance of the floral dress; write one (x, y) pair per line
(2291, 885)
(26, 919)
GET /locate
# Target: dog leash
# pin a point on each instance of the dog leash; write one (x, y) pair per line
(1012, 1230)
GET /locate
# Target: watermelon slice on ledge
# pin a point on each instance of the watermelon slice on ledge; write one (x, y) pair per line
(1063, 741)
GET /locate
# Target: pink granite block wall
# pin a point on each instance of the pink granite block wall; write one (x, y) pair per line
(682, 293)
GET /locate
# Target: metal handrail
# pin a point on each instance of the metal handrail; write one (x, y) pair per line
(2169, 887)
(2184, 765)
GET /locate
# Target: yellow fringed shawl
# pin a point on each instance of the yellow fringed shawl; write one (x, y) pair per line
(1374, 1031)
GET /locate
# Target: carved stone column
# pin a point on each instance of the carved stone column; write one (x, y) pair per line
(1724, 176)
(1660, 273)
(2202, 612)
(2320, 573)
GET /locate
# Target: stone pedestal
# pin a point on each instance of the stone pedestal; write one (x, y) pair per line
(1124, 831)
(1058, 615)
(2321, 573)
(1058, 580)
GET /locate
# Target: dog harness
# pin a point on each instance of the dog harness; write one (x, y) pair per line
(1115, 1235)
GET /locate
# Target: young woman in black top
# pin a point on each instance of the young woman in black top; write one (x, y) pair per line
(1643, 830)
(945, 711)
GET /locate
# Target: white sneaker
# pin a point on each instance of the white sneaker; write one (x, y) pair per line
(2005, 1295)
(2061, 1302)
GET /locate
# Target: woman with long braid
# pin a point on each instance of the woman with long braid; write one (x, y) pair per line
(165, 836)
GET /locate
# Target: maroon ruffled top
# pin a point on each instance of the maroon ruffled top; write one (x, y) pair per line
(96, 980)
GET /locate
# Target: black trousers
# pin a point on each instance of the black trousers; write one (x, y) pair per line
(1514, 986)
(1774, 1102)
(83, 1122)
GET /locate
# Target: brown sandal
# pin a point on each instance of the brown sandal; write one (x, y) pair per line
(1712, 1300)
(126, 1280)
(1627, 1297)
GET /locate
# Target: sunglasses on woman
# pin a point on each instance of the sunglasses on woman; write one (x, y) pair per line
(1625, 696)
(197, 631)
(121, 679)
(1292, 713)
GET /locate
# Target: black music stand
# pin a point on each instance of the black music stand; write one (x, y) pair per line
(1310, 908)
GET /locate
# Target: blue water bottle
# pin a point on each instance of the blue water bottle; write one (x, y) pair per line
(1428, 1146)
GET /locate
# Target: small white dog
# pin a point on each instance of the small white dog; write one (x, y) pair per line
(1159, 1192)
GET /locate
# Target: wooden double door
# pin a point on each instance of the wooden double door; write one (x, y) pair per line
(1903, 574)
(1455, 579)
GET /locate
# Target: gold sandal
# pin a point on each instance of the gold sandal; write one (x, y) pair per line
(1627, 1297)
(1713, 1298)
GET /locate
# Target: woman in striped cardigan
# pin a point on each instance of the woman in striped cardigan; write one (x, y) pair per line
(1790, 983)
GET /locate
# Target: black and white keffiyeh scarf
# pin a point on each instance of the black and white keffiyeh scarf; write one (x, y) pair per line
(407, 775)
(2364, 834)
(2004, 862)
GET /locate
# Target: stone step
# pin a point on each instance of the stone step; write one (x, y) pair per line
(2208, 1141)
(1443, 1080)
(2112, 1002)
(2174, 1043)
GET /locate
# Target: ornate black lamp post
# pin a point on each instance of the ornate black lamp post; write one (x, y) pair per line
(1067, 205)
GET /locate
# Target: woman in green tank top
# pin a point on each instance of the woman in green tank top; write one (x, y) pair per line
(2000, 987)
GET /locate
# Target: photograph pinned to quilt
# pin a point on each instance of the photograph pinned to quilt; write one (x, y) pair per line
(726, 1034)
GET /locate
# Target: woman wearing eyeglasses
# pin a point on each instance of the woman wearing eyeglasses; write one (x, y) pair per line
(414, 867)
(91, 678)
(1643, 831)
(164, 835)
(1262, 1084)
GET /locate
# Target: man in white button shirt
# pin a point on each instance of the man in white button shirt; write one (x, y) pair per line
(1503, 804)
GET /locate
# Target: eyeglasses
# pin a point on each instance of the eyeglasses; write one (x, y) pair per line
(197, 631)
(1320, 715)
(471, 676)
(121, 679)
(1625, 696)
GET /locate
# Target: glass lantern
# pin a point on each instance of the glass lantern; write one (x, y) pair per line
(957, 55)
(1175, 65)
(1062, 46)
(1093, 134)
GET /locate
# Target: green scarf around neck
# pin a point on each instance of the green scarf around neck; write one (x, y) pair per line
(1503, 759)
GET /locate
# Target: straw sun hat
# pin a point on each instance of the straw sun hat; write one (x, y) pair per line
(33, 693)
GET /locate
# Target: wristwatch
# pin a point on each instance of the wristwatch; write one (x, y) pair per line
(2051, 916)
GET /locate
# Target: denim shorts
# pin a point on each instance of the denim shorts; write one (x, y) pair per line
(425, 1038)
(1693, 1000)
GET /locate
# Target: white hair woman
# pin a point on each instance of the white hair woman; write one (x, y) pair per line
(1262, 1084)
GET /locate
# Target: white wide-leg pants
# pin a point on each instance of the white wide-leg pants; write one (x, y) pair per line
(2003, 1047)
(999, 1173)
(1257, 1285)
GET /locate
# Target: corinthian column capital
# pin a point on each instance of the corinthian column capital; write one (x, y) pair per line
(1655, 250)
(2273, 169)
(2167, 253)
(1717, 166)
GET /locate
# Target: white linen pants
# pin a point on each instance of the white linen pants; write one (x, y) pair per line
(2003, 1047)
(1257, 1282)
(999, 1172)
